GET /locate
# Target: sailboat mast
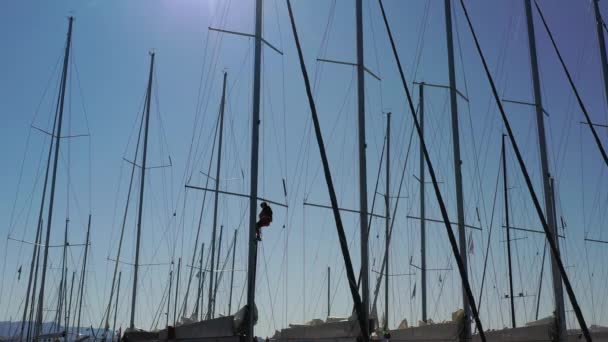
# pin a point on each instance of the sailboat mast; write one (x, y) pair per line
(232, 274)
(253, 183)
(211, 300)
(33, 264)
(169, 296)
(508, 226)
(422, 208)
(69, 308)
(602, 44)
(328, 291)
(217, 267)
(179, 267)
(141, 191)
(362, 166)
(116, 306)
(387, 220)
(57, 321)
(122, 233)
(546, 175)
(60, 106)
(63, 288)
(201, 276)
(30, 319)
(462, 239)
(83, 275)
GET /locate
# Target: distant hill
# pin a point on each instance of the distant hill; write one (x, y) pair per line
(8, 329)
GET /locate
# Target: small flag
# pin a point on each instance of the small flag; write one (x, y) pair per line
(414, 291)
(19, 274)
(471, 245)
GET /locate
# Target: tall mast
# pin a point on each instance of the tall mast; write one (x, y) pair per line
(60, 106)
(83, 275)
(546, 175)
(198, 232)
(69, 308)
(169, 296)
(328, 291)
(116, 306)
(64, 274)
(253, 183)
(122, 232)
(602, 44)
(211, 301)
(362, 166)
(388, 216)
(422, 208)
(57, 321)
(201, 275)
(361, 316)
(462, 239)
(179, 267)
(217, 267)
(506, 196)
(141, 191)
(232, 274)
(33, 264)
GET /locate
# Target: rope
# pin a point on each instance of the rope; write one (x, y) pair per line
(574, 89)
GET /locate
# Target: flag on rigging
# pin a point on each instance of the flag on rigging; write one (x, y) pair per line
(414, 291)
(19, 274)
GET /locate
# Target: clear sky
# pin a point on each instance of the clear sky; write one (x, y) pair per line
(108, 76)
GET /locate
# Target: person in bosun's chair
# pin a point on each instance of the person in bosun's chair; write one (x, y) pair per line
(265, 218)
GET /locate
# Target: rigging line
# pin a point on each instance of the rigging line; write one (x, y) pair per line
(485, 263)
(272, 114)
(363, 325)
(349, 93)
(562, 146)
(36, 252)
(420, 43)
(390, 232)
(164, 144)
(551, 241)
(376, 55)
(574, 89)
(570, 103)
(464, 74)
(323, 48)
(444, 213)
(122, 231)
(274, 323)
(194, 253)
(479, 190)
(203, 85)
(22, 167)
(521, 279)
(86, 120)
(369, 224)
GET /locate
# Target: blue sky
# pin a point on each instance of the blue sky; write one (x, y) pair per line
(109, 72)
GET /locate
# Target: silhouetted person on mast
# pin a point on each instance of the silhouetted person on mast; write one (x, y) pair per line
(265, 218)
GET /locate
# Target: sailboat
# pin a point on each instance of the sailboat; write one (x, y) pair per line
(131, 333)
(240, 325)
(37, 297)
(228, 327)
